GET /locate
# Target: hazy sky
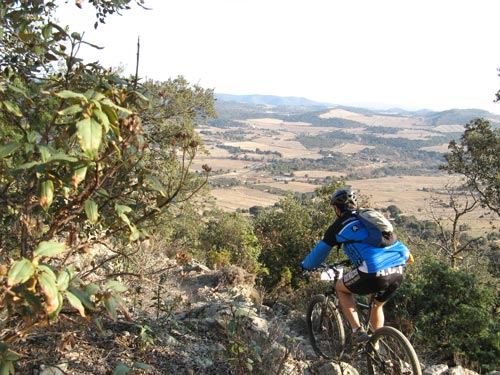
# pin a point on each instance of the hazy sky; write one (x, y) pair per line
(435, 54)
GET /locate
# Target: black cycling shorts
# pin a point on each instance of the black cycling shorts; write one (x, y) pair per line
(383, 283)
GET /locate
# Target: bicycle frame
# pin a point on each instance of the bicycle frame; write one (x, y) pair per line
(388, 352)
(334, 272)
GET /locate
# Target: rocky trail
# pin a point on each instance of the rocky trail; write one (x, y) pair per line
(205, 322)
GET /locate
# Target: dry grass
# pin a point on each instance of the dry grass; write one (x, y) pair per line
(409, 193)
(389, 121)
(243, 198)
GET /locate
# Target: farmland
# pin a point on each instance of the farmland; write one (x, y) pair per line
(391, 158)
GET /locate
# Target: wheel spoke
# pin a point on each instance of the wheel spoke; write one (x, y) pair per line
(326, 332)
(390, 353)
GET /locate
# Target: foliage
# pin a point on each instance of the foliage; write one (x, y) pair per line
(452, 313)
(288, 233)
(243, 350)
(477, 157)
(230, 237)
(89, 161)
(453, 241)
(252, 351)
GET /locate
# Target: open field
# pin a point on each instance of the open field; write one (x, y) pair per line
(230, 199)
(263, 140)
(411, 194)
(389, 121)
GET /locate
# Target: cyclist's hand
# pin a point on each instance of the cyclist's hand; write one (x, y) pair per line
(304, 271)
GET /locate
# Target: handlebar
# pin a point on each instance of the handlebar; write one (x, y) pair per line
(343, 263)
(330, 271)
(333, 271)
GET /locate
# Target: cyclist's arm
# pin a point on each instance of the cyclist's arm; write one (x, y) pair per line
(319, 253)
(317, 256)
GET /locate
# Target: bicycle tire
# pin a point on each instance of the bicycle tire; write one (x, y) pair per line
(389, 352)
(325, 327)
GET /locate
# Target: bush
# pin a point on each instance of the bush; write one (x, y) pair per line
(452, 313)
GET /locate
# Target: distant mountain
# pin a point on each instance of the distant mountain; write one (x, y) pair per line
(460, 116)
(271, 100)
(451, 116)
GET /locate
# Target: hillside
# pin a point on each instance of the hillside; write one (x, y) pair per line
(262, 147)
(270, 100)
(211, 323)
(448, 117)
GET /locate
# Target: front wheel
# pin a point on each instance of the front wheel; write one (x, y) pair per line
(326, 331)
(390, 353)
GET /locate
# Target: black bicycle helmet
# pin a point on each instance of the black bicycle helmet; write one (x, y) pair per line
(344, 198)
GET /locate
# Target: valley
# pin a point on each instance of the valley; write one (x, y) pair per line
(263, 155)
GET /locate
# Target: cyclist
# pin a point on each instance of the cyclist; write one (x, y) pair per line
(377, 270)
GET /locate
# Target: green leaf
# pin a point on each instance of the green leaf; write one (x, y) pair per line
(45, 152)
(11, 356)
(6, 367)
(75, 302)
(141, 366)
(135, 233)
(121, 369)
(66, 94)
(63, 279)
(102, 193)
(49, 288)
(47, 269)
(29, 165)
(82, 296)
(95, 97)
(89, 134)
(79, 175)
(18, 90)
(71, 110)
(47, 31)
(122, 210)
(91, 211)
(111, 306)
(8, 149)
(112, 116)
(116, 286)
(156, 185)
(102, 118)
(108, 103)
(49, 248)
(92, 289)
(20, 272)
(46, 194)
(13, 108)
(62, 157)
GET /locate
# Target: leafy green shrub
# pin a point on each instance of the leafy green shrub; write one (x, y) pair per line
(289, 231)
(452, 313)
(232, 235)
(89, 161)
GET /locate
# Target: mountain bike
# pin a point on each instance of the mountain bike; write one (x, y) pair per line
(388, 352)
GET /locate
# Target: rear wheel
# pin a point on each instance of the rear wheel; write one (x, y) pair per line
(326, 331)
(390, 353)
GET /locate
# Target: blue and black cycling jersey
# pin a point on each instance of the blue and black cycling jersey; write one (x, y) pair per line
(350, 232)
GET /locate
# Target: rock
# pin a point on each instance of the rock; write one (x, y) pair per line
(459, 370)
(53, 370)
(331, 368)
(436, 370)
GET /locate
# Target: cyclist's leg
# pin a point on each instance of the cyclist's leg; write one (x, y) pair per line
(348, 304)
(387, 285)
(377, 317)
